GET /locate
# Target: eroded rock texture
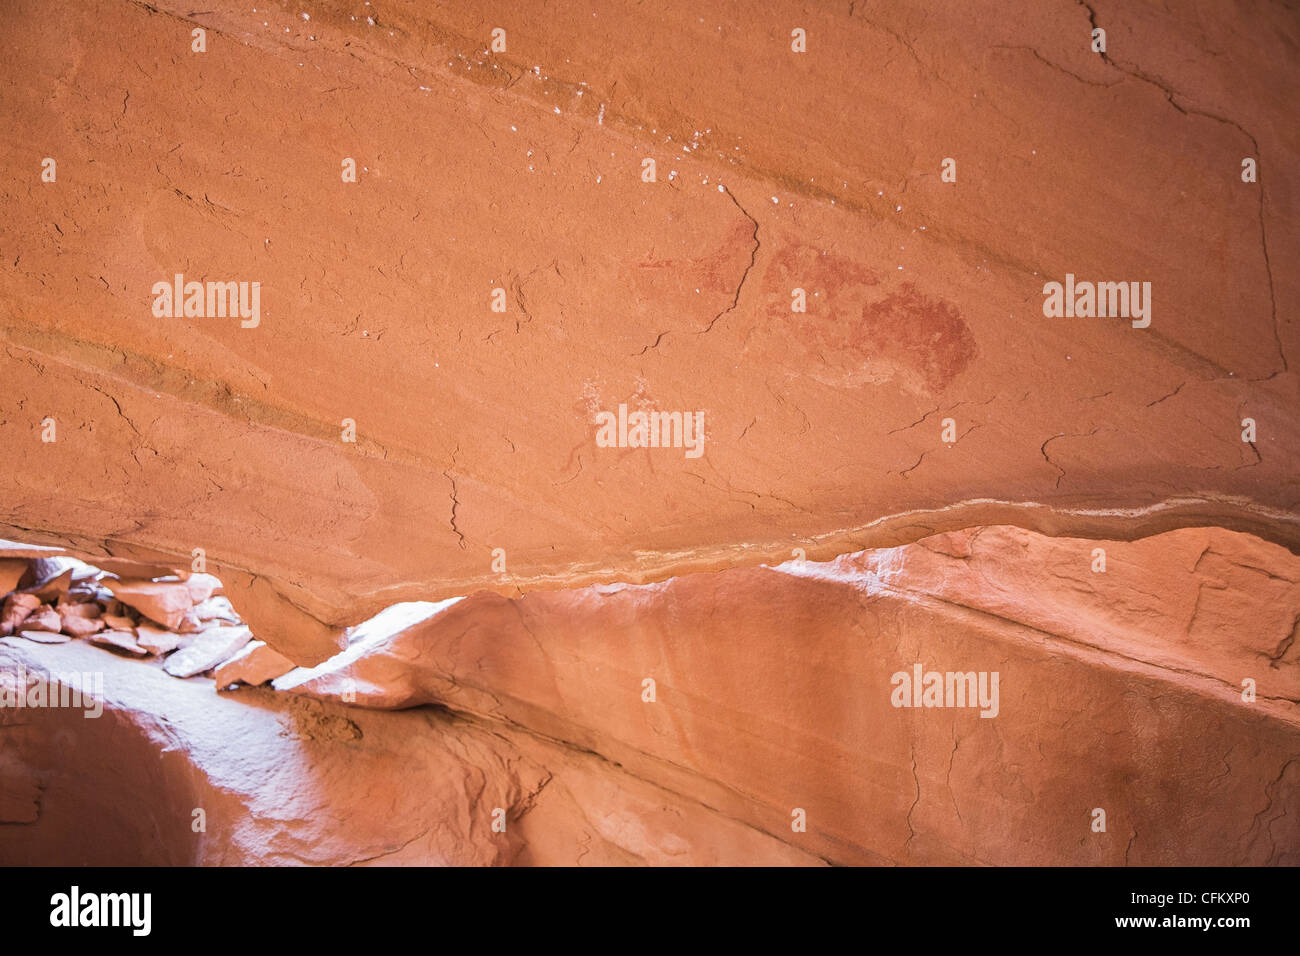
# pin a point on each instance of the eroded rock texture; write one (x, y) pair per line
(412, 412)
(290, 781)
(522, 171)
(1119, 690)
(695, 721)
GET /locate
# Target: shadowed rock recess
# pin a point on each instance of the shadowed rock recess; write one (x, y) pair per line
(612, 435)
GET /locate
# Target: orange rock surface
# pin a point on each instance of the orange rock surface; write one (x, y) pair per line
(774, 689)
(460, 271)
(522, 171)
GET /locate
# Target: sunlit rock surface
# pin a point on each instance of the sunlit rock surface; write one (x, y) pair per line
(774, 688)
(288, 781)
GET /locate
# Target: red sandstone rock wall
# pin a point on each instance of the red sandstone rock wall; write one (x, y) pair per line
(415, 411)
(289, 781)
(697, 720)
(773, 691)
(522, 171)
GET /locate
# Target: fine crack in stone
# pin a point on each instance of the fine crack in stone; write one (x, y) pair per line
(753, 257)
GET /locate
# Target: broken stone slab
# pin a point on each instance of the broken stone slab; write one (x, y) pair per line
(157, 640)
(45, 637)
(86, 609)
(163, 601)
(206, 650)
(255, 664)
(44, 618)
(81, 626)
(203, 586)
(217, 608)
(119, 640)
(16, 609)
(119, 622)
(166, 601)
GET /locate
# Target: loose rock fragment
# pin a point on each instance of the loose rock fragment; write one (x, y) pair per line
(206, 650)
(85, 609)
(119, 622)
(44, 618)
(163, 601)
(45, 637)
(81, 626)
(16, 609)
(256, 664)
(202, 587)
(120, 640)
(217, 608)
(157, 640)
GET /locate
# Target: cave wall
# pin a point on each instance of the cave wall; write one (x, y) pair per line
(916, 469)
(521, 170)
